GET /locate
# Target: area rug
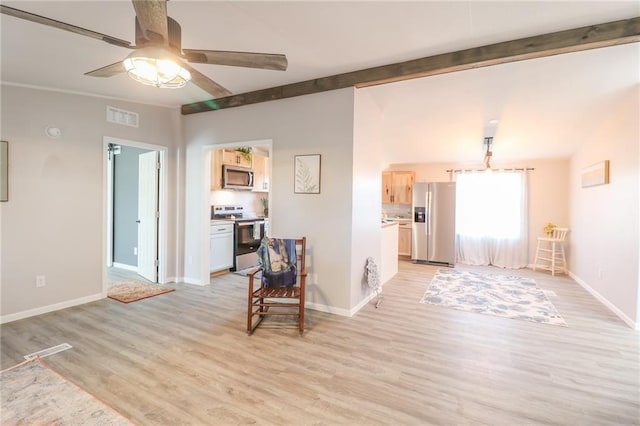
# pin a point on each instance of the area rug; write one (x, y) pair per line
(501, 295)
(132, 290)
(33, 394)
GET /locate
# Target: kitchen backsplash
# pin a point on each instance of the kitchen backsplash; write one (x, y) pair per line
(247, 199)
(396, 210)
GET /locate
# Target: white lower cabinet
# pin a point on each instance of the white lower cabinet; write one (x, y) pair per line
(220, 247)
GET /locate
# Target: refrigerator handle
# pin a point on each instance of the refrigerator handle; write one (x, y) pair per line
(427, 225)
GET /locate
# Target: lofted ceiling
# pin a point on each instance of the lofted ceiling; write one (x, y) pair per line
(439, 118)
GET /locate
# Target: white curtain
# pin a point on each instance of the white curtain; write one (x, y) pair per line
(491, 219)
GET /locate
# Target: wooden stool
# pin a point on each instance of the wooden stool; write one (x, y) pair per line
(550, 252)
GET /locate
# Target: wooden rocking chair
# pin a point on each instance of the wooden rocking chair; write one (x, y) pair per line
(270, 298)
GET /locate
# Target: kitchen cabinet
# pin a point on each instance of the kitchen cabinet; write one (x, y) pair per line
(404, 239)
(235, 158)
(260, 173)
(220, 246)
(397, 187)
(222, 157)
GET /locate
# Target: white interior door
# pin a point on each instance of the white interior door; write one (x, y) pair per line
(148, 215)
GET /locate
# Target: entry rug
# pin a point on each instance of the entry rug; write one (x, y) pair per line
(131, 290)
(33, 394)
(501, 295)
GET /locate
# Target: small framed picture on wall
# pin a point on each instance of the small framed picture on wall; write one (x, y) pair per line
(307, 174)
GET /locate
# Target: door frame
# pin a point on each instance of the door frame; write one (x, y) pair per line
(107, 206)
(207, 151)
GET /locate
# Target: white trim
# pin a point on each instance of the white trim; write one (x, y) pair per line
(93, 95)
(109, 171)
(193, 281)
(171, 280)
(125, 266)
(613, 308)
(50, 308)
(328, 309)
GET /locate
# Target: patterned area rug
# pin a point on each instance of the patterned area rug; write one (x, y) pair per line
(500, 295)
(131, 290)
(33, 394)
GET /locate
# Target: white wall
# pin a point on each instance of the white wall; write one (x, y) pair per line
(604, 219)
(548, 190)
(367, 180)
(53, 222)
(315, 124)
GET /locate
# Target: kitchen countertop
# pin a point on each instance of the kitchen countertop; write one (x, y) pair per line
(397, 219)
(221, 222)
(388, 224)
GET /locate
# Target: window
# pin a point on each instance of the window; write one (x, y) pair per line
(490, 205)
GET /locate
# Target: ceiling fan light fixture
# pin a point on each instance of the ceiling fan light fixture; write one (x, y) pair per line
(154, 67)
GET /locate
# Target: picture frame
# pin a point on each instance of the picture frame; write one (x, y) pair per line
(307, 174)
(4, 171)
(596, 174)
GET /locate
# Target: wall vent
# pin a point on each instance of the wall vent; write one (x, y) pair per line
(121, 116)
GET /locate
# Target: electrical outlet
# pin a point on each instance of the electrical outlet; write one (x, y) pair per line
(135, 251)
(41, 281)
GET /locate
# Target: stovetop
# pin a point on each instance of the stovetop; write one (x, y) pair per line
(231, 212)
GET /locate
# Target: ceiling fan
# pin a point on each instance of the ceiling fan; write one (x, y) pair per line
(158, 58)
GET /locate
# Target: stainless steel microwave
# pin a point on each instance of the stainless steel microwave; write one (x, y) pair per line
(234, 177)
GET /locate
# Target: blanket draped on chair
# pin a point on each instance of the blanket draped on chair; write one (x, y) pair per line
(278, 261)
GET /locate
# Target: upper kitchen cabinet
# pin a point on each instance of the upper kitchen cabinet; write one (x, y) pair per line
(260, 173)
(397, 187)
(229, 157)
(235, 157)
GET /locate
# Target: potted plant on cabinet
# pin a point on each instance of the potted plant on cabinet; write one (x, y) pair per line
(245, 151)
(265, 206)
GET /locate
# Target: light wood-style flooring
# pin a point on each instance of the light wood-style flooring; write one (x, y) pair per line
(184, 358)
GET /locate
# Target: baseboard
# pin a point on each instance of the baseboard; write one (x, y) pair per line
(328, 309)
(372, 295)
(50, 308)
(194, 281)
(613, 308)
(125, 266)
(340, 311)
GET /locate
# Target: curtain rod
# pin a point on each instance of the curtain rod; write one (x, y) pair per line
(497, 170)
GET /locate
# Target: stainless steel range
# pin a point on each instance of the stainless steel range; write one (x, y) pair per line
(248, 233)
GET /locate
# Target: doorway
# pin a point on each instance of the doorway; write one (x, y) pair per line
(256, 200)
(135, 211)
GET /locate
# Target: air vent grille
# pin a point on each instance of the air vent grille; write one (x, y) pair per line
(49, 351)
(121, 116)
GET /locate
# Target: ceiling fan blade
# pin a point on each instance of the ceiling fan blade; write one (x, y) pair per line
(205, 83)
(17, 13)
(152, 16)
(269, 61)
(108, 71)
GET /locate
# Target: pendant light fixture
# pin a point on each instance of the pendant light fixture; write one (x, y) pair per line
(488, 141)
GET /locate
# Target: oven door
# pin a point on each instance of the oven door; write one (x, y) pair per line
(248, 236)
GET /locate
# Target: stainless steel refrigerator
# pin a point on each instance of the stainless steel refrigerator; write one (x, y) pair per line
(433, 238)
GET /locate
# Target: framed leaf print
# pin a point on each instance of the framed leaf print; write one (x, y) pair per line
(307, 174)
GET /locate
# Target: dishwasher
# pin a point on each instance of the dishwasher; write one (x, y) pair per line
(220, 246)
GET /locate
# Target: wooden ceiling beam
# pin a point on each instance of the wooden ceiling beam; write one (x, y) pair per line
(574, 40)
